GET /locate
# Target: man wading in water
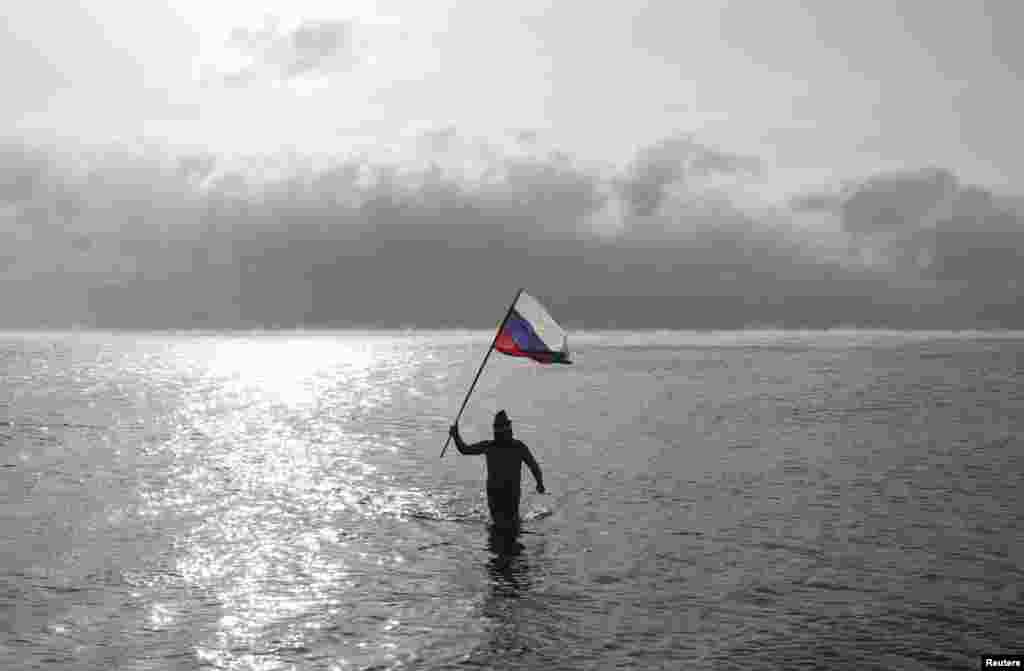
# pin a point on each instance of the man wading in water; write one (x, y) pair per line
(505, 456)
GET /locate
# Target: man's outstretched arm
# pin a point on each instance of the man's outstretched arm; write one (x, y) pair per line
(534, 467)
(461, 446)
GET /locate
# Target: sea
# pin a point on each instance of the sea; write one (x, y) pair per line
(278, 501)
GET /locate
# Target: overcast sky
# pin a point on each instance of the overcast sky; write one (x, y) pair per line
(824, 126)
(824, 87)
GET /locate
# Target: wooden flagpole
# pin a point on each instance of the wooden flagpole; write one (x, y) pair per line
(490, 349)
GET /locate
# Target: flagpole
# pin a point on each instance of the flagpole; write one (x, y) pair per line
(490, 349)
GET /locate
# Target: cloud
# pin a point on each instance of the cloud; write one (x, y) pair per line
(440, 140)
(887, 202)
(964, 239)
(151, 239)
(899, 200)
(675, 161)
(26, 173)
(527, 136)
(310, 49)
(980, 242)
(816, 202)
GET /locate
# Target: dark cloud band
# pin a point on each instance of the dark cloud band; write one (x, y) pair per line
(159, 241)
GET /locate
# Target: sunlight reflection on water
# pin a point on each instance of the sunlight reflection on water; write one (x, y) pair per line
(265, 458)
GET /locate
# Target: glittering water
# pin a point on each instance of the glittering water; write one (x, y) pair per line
(716, 501)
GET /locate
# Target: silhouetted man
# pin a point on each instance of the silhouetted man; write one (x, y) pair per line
(505, 457)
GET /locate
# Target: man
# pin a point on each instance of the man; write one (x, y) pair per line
(505, 456)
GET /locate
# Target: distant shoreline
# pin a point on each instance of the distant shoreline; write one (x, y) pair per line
(574, 333)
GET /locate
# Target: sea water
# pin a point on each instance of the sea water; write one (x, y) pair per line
(273, 501)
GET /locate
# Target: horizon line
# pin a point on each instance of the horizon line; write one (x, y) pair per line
(300, 330)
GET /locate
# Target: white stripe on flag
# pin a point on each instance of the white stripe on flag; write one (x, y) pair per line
(544, 324)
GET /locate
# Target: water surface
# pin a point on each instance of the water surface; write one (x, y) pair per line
(717, 501)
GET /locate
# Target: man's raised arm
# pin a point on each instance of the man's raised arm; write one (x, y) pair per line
(461, 446)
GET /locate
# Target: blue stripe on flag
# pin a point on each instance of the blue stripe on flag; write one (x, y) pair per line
(522, 333)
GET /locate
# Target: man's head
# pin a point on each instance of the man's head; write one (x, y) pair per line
(502, 427)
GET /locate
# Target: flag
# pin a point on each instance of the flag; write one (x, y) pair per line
(531, 332)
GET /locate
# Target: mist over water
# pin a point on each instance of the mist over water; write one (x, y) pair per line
(716, 500)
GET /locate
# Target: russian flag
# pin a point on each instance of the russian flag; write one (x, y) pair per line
(530, 332)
